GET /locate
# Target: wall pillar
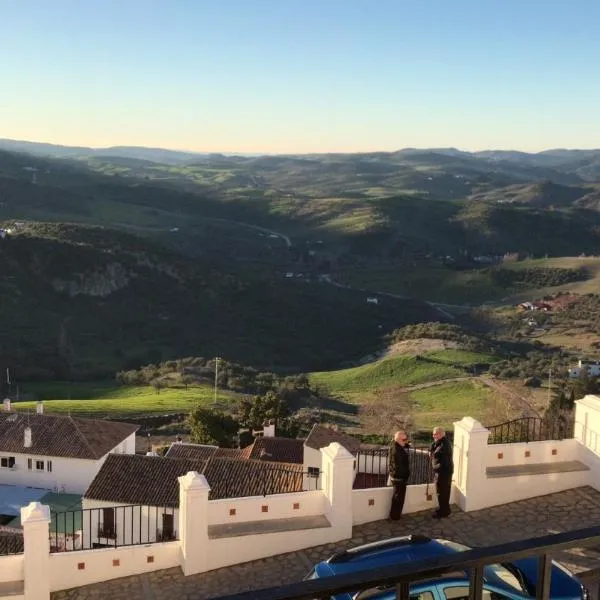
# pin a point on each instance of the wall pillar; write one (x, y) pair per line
(337, 466)
(35, 519)
(193, 522)
(470, 458)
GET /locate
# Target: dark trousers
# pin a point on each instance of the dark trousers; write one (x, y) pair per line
(398, 497)
(443, 485)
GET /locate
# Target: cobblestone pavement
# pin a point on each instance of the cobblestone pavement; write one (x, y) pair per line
(573, 509)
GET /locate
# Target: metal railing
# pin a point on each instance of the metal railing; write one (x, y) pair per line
(267, 482)
(11, 542)
(113, 527)
(399, 577)
(531, 429)
(372, 467)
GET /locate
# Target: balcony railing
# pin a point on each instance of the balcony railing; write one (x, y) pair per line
(531, 429)
(399, 577)
(372, 467)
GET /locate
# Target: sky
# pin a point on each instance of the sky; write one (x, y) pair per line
(283, 76)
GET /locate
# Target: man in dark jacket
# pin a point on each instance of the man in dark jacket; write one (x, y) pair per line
(443, 468)
(399, 469)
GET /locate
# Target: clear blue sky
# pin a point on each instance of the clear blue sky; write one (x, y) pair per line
(301, 75)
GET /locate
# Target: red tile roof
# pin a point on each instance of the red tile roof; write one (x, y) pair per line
(278, 449)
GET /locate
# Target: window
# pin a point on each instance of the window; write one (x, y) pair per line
(422, 596)
(168, 527)
(39, 465)
(314, 472)
(461, 592)
(30, 464)
(49, 466)
(107, 527)
(7, 462)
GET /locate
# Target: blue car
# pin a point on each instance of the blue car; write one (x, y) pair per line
(516, 580)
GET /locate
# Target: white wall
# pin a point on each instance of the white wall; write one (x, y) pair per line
(99, 565)
(312, 458)
(133, 524)
(280, 506)
(236, 550)
(374, 504)
(11, 568)
(73, 473)
(539, 452)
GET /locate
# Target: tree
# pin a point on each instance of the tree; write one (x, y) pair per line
(212, 427)
(389, 411)
(187, 380)
(157, 384)
(253, 414)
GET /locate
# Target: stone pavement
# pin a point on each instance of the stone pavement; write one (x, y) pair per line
(573, 509)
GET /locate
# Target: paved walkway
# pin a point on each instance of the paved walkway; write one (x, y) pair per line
(574, 509)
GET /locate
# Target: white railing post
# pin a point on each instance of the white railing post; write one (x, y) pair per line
(338, 478)
(470, 456)
(193, 522)
(35, 519)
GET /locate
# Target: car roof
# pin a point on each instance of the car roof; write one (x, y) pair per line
(384, 553)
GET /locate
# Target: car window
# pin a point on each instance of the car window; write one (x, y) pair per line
(421, 596)
(461, 592)
(506, 577)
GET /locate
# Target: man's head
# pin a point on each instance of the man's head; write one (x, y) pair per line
(401, 438)
(438, 433)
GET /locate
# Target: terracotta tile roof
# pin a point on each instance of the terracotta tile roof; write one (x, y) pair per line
(233, 452)
(135, 479)
(61, 436)
(278, 449)
(152, 480)
(231, 478)
(320, 436)
(195, 451)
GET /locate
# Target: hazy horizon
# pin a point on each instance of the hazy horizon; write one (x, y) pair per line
(302, 76)
(250, 153)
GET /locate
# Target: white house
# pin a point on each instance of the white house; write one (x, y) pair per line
(591, 367)
(135, 499)
(59, 453)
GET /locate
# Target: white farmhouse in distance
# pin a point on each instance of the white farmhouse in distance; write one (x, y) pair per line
(591, 366)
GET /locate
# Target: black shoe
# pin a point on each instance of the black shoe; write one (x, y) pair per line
(436, 515)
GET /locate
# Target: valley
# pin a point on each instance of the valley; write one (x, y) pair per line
(293, 265)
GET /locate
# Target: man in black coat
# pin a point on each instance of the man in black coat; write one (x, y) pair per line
(399, 469)
(443, 468)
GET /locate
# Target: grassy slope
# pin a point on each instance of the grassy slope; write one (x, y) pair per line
(401, 370)
(443, 404)
(108, 399)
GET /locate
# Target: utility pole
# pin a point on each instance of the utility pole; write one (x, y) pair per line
(216, 377)
(550, 385)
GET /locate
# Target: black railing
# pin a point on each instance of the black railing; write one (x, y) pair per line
(372, 467)
(11, 542)
(531, 429)
(244, 482)
(112, 527)
(399, 577)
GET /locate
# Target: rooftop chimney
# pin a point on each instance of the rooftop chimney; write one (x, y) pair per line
(269, 428)
(6, 404)
(39, 408)
(27, 437)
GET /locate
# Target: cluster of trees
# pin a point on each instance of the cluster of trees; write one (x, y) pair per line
(230, 375)
(534, 364)
(213, 426)
(537, 277)
(443, 331)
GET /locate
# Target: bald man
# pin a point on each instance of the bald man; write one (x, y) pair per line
(443, 468)
(399, 469)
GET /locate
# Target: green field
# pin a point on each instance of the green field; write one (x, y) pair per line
(448, 402)
(463, 357)
(105, 399)
(402, 370)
